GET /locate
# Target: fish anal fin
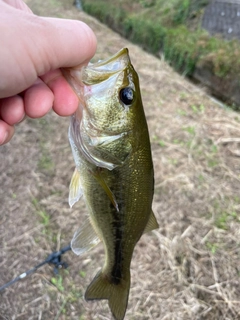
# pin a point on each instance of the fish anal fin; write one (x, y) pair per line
(84, 239)
(152, 223)
(116, 294)
(106, 188)
(75, 189)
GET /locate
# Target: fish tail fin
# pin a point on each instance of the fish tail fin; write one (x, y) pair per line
(116, 294)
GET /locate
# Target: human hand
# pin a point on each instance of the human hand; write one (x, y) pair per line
(32, 51)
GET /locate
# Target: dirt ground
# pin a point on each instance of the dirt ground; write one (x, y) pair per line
(189, 268)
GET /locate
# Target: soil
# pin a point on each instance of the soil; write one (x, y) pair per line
(189, 267)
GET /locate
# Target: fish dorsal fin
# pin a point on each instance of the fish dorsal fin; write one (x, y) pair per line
(152, 223)
(106, 188)
(84, 239)
(75, 189)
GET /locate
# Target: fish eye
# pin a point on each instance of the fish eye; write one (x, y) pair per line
(126, 95)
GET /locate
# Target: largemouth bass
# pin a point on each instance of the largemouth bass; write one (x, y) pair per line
(114, 171)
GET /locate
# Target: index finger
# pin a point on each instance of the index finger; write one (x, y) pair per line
(65, 100)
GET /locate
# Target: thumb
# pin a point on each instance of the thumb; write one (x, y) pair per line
(35, 45)
(63, 43)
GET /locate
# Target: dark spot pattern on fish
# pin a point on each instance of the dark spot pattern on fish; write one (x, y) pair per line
(116, 274)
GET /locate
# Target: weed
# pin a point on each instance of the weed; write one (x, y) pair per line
(41, 212)
(45, 162)
(212, 163)
(163, 27)
(45, 217)
(236, 199)
(181, 112)
(172, 161)
(194, 108)
(201, 178)
(212, 247)
(181, 50)
(107, 13)
(43, 122)
(58, 282)
(221, 221)
(214, 149)
(160, 142)
(147, 3)
(182, 11)
(143, 31)
(223, 218)
(197, 109)
(183, 95)
(62, 309)
(82, 273)
(224, 56)
(177, 141)
(212, 160)
(190, 130)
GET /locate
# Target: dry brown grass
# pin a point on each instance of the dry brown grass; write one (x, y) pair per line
(189, 268)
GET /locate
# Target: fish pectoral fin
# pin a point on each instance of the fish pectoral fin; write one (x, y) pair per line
(116, 294)
(84, 239)
(106, 188)
(75, 189)
(152, 223)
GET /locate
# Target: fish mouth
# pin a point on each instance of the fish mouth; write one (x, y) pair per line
(122, 56)
(96, 72)
(104, 69)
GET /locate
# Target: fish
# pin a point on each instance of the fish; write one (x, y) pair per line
(114, 172)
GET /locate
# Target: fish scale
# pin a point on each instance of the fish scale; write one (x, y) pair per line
(114, 171)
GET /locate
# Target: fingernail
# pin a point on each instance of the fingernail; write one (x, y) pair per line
(5, 138)
(21, 120)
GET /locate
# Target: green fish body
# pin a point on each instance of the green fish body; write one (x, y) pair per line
(114, 171)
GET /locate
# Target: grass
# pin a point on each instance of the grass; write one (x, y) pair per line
(45, 162)
(198, 109)
(212, 247)
(172, 28)
(156, 25)
(68, 292)
(45, 217)
(58, 282)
